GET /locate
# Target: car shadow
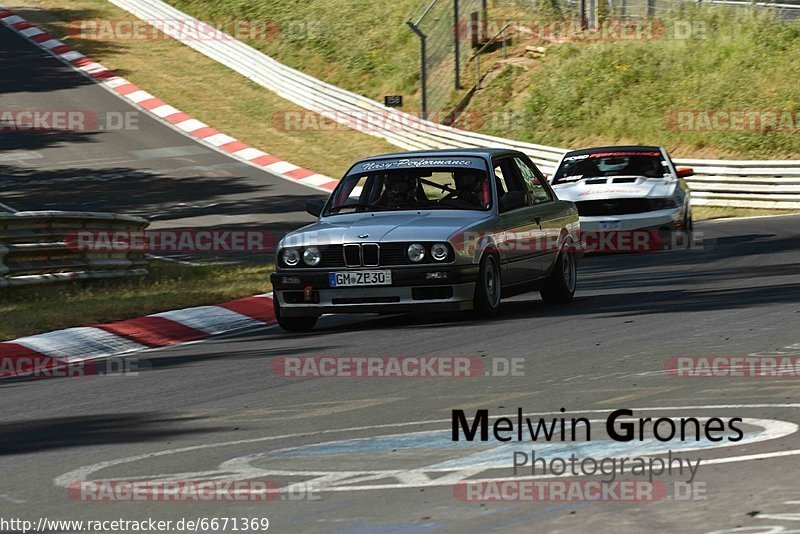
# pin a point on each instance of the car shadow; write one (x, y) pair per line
(35, 435)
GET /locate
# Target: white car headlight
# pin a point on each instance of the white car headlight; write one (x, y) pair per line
(311, 256)
(416, 252)
(291, 257)
(439, 251)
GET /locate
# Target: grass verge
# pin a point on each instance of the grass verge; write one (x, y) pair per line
(712, 212)
(31, 310)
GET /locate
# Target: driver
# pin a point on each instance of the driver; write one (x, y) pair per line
(468, 187)
(400, 190)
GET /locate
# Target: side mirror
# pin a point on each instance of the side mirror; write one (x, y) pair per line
(314, 207)
(684, 172)
(511, 201)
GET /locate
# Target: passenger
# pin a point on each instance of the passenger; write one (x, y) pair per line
(469, 188)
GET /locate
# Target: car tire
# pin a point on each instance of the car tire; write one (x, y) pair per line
(560, 287)
(680, 238)
(292, 324)
(488, 287)
(688, 221)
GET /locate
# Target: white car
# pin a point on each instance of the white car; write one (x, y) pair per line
(623, 188)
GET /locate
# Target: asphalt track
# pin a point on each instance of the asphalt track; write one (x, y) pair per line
(214, 409)
(130, 163)
(737, 295)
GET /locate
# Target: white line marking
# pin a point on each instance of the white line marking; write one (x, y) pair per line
(30, 32)
(164, 111)
(82, 473)
(139, 96)
(316, 179)
(191, 125)
(281, 167)
(249, 153)
(77, 344)
(51, 43)
(116, 81)
(210, 319)
(219, 139)
(71, 55)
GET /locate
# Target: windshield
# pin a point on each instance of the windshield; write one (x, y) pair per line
(603, 164)
(395, 187)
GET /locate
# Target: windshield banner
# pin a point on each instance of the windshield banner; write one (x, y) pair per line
(416, 163)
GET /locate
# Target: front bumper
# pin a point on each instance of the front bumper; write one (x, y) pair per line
(306, 292)
(667, 218)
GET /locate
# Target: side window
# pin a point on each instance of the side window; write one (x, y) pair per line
(508, 181)
(537, 191)
(506, 176)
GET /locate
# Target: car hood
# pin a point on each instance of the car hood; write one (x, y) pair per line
(616, 187)
(421, 225)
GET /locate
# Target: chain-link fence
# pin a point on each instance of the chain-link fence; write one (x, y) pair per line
(595, 10)
(448, 31)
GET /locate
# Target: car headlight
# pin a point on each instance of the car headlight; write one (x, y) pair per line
(311, 256)
(291, 257)
(663, 203)
(439, 251)
(416, 252)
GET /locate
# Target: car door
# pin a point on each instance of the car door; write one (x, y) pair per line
(546, 210)
(521, 237)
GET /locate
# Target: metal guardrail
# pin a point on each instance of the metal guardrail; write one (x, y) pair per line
(756, 183)
(34, 248)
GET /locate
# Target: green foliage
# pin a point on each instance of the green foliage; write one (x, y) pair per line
(364, 46)
(628, 90)
(707, 59)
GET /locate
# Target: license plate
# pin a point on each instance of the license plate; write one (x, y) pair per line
(360, 278)
(609, 225)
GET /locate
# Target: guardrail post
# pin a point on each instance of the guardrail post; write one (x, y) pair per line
(3, 268)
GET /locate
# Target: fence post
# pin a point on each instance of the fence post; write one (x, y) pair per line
(582, 14)
(423, 71)
(456, 43)
(484, 20)
(477, 72)
(473, 30)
